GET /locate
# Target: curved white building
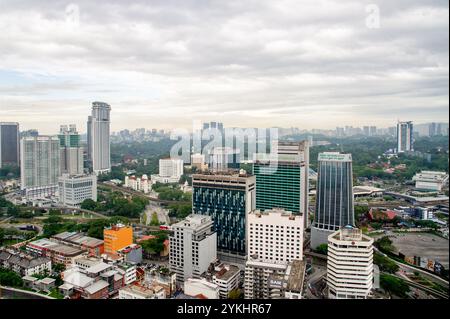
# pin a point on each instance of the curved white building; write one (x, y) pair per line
(350, 264)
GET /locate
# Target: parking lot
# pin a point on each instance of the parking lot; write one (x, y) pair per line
(424, 245)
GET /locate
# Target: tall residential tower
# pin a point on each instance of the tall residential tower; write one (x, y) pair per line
(40, 165)
(98, 128)
(405, 138)
(71, 151)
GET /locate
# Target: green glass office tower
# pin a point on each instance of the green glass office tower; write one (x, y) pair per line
(227, 198)
(282, 182)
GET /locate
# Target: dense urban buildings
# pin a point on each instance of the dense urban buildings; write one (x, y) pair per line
(40, 165)
(405, 138)
(349, 264)
(74, 189)
(9, 144)
(227, 198)
(334, 196)
(71, 150)
(98, 137)
(283, 182)
(192, 247)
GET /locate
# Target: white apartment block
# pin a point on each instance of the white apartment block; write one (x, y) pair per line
(193, 247)
(275, 235)
(275, 239)
(142, 184)
(170, 167)
(74, 189)
(40, 166)
(194, 287)
(430, 180)
(349, 264)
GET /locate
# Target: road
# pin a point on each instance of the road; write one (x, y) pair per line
(163, 214)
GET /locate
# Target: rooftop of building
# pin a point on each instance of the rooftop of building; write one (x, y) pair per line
(47, 281)
(350, 234)
(295, 275)
(79, 238)
(56, 247)
(96, 286)
(222, 176)
(275, 211)
(142, 290)
(193, 220)
(226, 272)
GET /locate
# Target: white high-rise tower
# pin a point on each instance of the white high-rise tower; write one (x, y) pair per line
(98, 138)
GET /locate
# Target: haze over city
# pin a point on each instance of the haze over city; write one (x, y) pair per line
(162, 64)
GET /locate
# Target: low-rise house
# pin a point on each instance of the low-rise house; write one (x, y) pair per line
(24, 264)
(45, 284)
(57, 252)
(28, 281)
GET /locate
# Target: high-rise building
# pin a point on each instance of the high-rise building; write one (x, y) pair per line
(349, 264)
(223, 158)
(74, 189)
(9, 144)
(275, 238)
(117, 237)
(71, 151)
(275, 235)
(227, 198)
(334, 196)
(193, 246)
(40, 165)
(98, 137)
(283, 182)
(405, 138)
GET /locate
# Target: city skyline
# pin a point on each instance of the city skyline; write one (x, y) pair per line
(259, 64)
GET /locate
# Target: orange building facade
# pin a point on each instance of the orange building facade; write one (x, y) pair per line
(117, 237)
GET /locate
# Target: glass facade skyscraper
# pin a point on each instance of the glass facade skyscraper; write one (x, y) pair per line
(227, 199)
(9, 143)
(282, 182)
(334, 196)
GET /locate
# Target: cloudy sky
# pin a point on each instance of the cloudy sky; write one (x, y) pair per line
(163, 64)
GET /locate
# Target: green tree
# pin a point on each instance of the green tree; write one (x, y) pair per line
(10, 278)
(236, 294)
(89, 204)
(322, 249)
(155, 220)
(385, 264)
(394, 285)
